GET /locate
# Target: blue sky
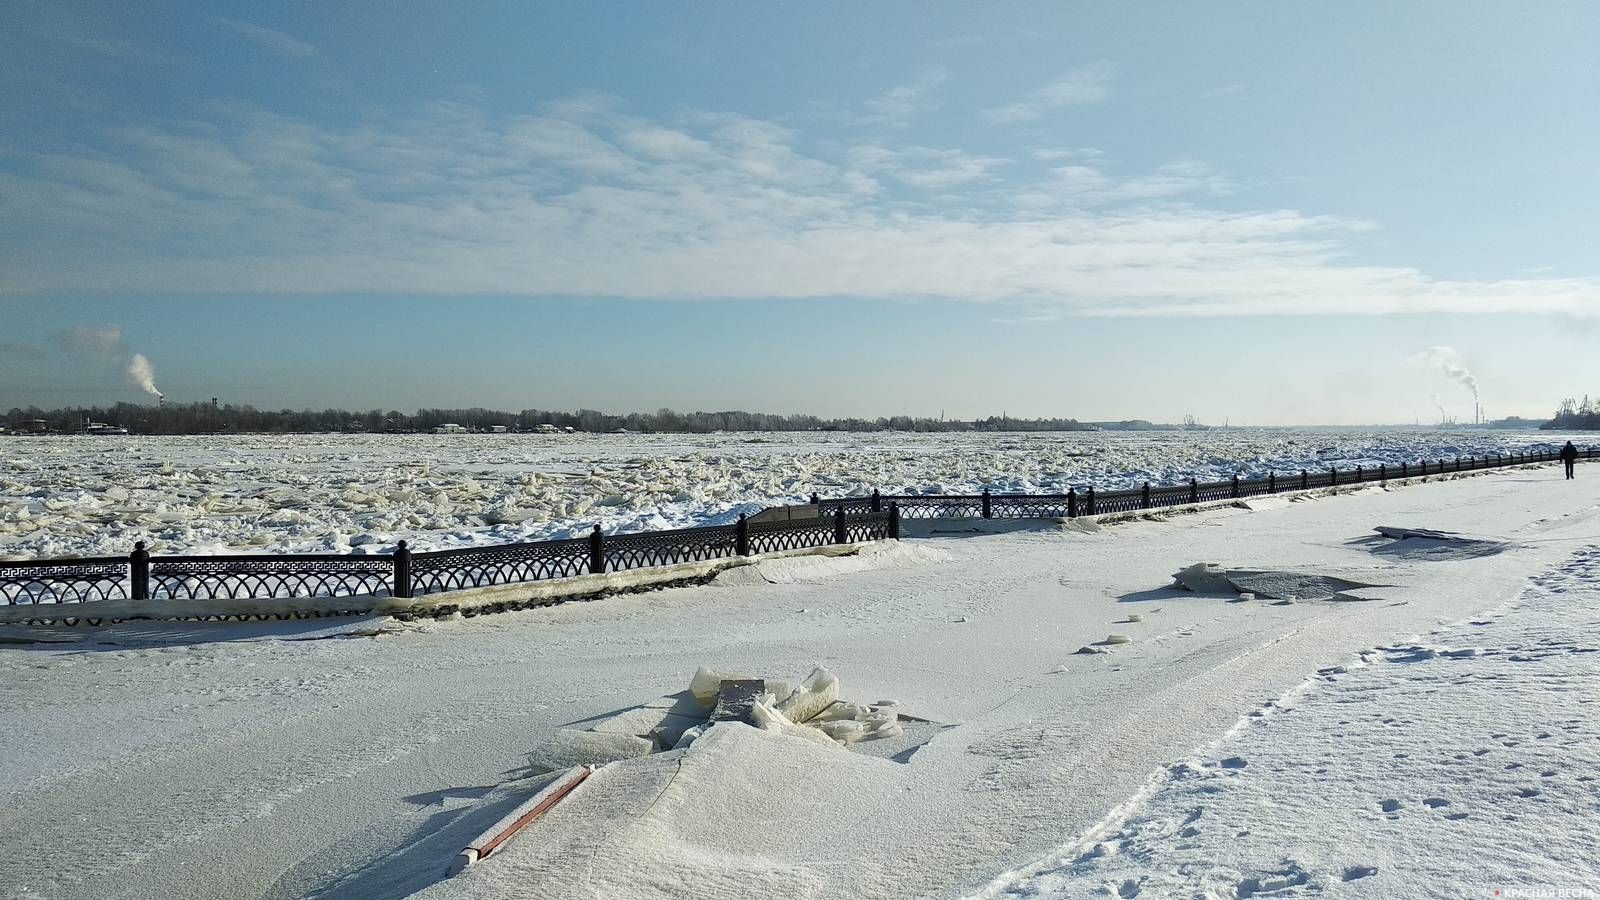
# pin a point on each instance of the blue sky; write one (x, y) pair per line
(1262, 212)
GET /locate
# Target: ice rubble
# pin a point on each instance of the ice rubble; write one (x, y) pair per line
(1210, 578)
(1432, 544)
(810, 710)
(64, 496)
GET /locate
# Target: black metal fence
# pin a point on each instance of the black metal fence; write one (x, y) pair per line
(140, 576)
(1089, 502)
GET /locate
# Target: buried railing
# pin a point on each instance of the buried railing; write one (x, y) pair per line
(404, 573)
(141, 576)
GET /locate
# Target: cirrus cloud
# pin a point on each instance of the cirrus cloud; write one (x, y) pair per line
(580, 198)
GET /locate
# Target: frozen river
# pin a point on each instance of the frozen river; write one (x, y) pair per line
(69, 496)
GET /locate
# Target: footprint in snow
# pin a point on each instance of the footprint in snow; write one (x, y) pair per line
(1354, 872)
(1389, 806)
(1435, 802)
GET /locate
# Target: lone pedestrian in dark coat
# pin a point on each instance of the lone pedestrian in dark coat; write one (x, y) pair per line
(1569, 455)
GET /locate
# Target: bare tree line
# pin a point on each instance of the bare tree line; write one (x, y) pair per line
(212, 418)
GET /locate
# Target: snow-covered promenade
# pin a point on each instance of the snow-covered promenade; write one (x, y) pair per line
(231, 761)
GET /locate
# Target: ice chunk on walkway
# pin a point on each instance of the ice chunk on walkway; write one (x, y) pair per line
(572, 747)
(707, 682)
(815, 694)
(1210, 578)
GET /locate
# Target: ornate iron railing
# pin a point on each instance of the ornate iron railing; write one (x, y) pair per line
(65, 580)
(1089, 502)
(437, 571)
(403, 573)
(795, 534)
(665, 548)
(249, 577)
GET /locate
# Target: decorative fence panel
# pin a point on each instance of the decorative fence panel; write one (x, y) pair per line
(665, 548)
(453, 570)
(796, 534)
(140, 576)
(870, 527)
(247, 577)
(1027, 506)
(65, 580)
(932, 507)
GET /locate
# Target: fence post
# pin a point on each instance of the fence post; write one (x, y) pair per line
(1305, 479)
(401, 585)
(815, 500)
(1144, 496)
(894, 521)
(741, 537)
(988, 510)
(1072, 502)
(1091, 499)
(597, 551)
(139, 571)
(1272, 482)
(1235, 484)
(1383, 473)
(877, 501)
(1402, 469)
(1360, 475)
(1194, 490)
(1458, 462)
(1333, 476)
(839, 531)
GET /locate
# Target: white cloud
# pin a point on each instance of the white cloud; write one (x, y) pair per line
(268, 38)
(95, 339)
(1080, 87)
(665, 143)
(582, 199)
(897, 106)
(923, 167)
(1084, 185)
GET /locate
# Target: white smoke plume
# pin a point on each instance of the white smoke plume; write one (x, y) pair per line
(105, 342)
(1449, 361)
(142, 375)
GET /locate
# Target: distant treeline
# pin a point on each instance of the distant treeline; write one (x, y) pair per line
(210, 418)
(1574, 415)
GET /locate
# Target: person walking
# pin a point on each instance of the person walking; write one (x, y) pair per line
(1569, 455)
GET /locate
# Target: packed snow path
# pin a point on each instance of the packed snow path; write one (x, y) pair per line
(225, 761)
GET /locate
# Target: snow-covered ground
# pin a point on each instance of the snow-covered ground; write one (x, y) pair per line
(1467, 764)
(354, 759)
(77, 496)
